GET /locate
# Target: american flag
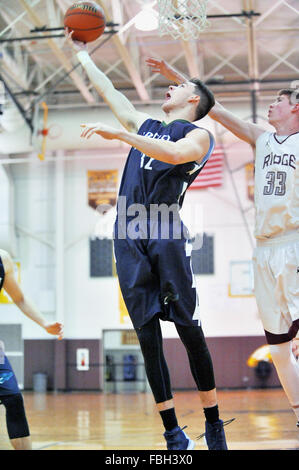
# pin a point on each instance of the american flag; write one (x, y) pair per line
(211, 175)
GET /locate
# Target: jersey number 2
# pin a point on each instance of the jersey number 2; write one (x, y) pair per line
(147, 166)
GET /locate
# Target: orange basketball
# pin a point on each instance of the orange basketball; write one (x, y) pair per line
(86, 19)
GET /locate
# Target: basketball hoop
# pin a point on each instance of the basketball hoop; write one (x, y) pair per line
(182, 19)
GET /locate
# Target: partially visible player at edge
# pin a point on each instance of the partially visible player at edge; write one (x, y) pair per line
(155, 274)
(10, 395)
(276, 256)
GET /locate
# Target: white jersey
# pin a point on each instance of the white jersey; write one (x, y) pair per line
(276, 185)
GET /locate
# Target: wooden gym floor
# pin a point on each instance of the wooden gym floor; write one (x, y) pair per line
(97, 421)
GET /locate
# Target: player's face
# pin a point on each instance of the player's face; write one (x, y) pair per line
(280, 110)
(177, 96)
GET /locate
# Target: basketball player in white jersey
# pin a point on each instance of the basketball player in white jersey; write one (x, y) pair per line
(276, 256)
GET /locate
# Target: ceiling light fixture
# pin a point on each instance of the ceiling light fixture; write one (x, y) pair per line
(147, 18)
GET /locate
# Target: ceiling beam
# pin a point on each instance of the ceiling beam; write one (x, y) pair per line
(223, 10)
(122, 50)
(117, 15)
(15, 20)
(280, 60)
(14, 66)
(225, 61)
(191, 58)
(268, 12)
(291, 8)
(127, 59)
(17, 73)
(63, 59)
(253, 69)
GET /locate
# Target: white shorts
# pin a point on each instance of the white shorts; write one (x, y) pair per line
(276, 279)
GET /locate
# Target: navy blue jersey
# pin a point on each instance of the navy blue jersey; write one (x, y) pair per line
(2, 274)
(8, 382)
(153, 267)
(148, 181)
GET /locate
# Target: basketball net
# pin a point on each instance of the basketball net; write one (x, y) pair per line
(182, 19)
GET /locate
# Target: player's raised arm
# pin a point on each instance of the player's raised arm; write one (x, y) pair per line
(15, 292)
(169, 72)
(121, 107)
(193, 147)
(249, 132)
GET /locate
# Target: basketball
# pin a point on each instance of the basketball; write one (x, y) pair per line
(86, 19)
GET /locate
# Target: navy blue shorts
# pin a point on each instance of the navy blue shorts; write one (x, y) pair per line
(8, 381)
(156, 277)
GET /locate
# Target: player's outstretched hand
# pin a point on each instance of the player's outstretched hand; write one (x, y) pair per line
(76, 45)
(162, 67)
(55, 329)
(107, 132)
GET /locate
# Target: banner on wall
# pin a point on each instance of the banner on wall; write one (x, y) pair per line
(4, 298)
(249, 169)
(82, 359)
(102, 187)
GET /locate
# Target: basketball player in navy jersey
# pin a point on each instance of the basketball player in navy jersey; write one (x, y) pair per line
(154, 271)
(276, 256)
(10, 395)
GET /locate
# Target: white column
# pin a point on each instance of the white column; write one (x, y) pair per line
(59, 235)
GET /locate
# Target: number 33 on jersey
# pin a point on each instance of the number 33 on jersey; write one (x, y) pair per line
(276, 184)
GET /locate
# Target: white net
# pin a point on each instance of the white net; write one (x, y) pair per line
(182, 19)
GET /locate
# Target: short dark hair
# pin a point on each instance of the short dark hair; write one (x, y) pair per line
(207, 100)
(292, 93)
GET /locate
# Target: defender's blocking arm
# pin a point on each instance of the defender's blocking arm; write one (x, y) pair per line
(169, 72)
(247, 131)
